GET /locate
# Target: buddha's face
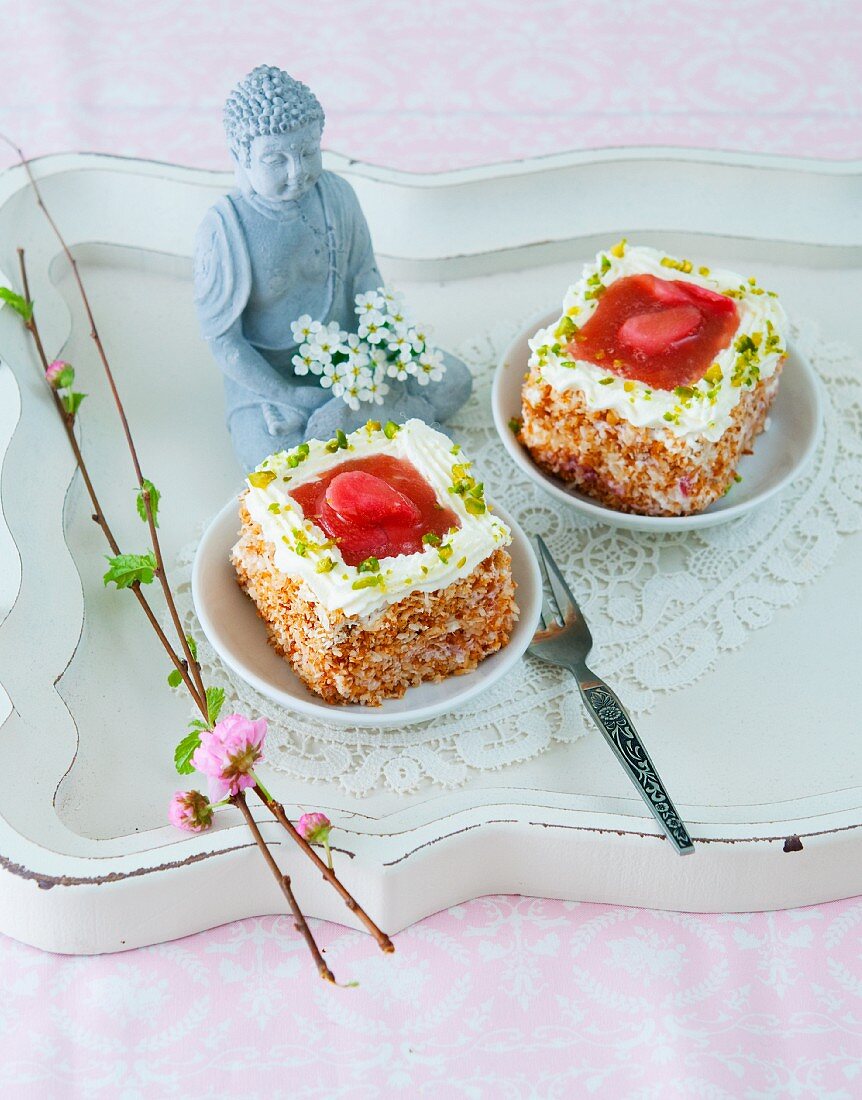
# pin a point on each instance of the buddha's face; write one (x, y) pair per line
(284, 166)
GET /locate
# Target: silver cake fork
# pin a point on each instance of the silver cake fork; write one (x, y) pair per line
(564, 639)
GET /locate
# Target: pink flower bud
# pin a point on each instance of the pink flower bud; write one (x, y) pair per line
(228, 753)
(190, 810)
(314, 828)
(59, 374)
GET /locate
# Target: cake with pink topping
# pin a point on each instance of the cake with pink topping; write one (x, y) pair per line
(653, 382)
(375, 561)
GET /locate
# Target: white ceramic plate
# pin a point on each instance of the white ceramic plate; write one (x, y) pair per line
(230, 621)
(779, 453)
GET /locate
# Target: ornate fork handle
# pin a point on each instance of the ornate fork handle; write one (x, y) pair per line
(616, 726)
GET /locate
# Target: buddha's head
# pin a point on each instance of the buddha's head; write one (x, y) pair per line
(273, 125)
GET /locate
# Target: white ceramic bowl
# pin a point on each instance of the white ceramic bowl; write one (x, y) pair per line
(231, 623)
(779, 453)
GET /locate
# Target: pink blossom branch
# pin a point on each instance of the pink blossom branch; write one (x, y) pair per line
(189, 669)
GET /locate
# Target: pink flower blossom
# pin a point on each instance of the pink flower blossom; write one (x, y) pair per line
(314, 828)
(59, 374)
(190, 810)
(228, 753)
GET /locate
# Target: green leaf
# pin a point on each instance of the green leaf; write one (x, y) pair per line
(184, 752)
(72, 402)
(65, 378)
(19, 304)
(193, 646)
(125, 569)
(215, 701)
(155, 497)
(174, 678)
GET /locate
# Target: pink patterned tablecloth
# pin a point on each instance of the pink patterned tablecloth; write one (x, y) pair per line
(504, 997)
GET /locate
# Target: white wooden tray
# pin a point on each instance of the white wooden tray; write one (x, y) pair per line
(763, 747)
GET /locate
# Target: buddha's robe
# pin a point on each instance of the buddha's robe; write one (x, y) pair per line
(255, 273)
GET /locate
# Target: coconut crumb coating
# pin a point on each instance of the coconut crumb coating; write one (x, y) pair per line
(426, 636)
(637, 469)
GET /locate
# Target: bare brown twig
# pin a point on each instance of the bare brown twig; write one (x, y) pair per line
(300, 922)
(193, 666)
(98, 514)
(277, 811)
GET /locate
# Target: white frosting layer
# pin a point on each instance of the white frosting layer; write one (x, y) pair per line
(702, 410)
(301, 548)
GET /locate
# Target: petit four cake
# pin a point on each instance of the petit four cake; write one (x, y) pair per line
(653, 382)
(375, 561)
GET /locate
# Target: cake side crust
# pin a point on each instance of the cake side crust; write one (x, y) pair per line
(636, 469)
(425, 636)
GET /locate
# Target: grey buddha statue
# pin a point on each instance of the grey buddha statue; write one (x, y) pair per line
(290, 241)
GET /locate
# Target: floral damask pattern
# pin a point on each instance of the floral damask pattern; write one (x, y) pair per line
(502, 997)
(436, 86)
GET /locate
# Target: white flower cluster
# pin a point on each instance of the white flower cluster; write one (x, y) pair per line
(355, 366)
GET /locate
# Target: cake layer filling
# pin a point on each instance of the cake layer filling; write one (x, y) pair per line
(375, 507)
(662, 332)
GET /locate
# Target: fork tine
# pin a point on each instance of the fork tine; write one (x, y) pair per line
(551, 574)
(550, 616)
(549, 610)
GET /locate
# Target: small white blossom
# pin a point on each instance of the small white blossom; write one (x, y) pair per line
(357, 358)
(353, 395)
(397, 370)
(419, 339)
(372, 331)
(431, 367)
(333, 378)
(327, 343)
(303, 328)
(321, 356)
(394, 305)
(376, 391)
(357, 371)
(399, 344)
(302, 364)
(372, 302)
(312, 357)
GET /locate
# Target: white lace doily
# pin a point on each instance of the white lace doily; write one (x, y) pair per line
(663, 606)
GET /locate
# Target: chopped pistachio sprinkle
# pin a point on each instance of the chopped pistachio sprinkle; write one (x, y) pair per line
(369, 581)
(261, 478)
